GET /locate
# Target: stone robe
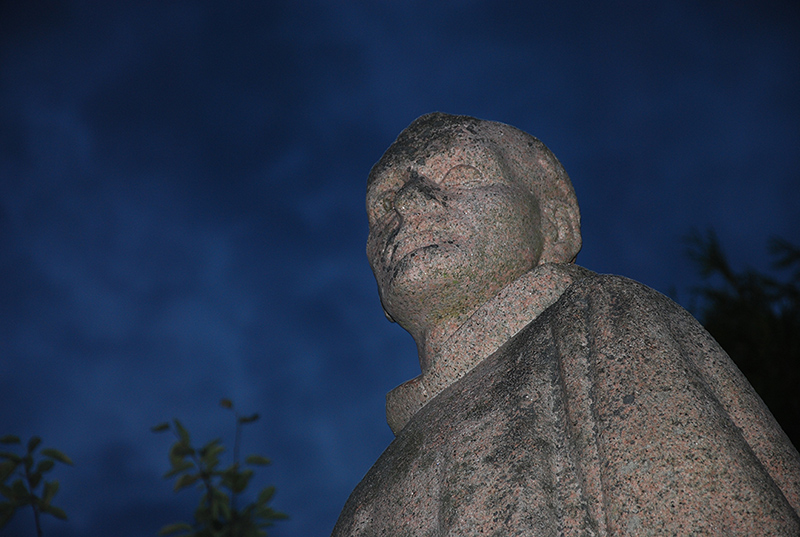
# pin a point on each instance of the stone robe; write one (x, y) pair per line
(613, 412)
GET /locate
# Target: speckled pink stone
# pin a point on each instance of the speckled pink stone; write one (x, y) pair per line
(612, 413)
(459, 208)
(484, 332)
(555, 402)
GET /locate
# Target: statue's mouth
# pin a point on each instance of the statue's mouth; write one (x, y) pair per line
(398, 246)
(402, 261)
(407, 239)
(402, 251)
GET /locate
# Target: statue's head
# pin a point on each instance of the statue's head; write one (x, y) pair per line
(458, 208)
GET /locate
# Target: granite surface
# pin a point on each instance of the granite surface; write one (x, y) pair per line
(552, 401)
(481, 335)
(459, 208)
(612, 413)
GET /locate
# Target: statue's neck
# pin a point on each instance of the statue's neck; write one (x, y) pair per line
(450, 350)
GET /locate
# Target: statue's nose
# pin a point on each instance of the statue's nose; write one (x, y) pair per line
(417, 195)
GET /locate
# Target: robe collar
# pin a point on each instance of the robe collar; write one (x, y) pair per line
(485, 331)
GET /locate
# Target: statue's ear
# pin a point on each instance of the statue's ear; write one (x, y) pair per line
(561, 231)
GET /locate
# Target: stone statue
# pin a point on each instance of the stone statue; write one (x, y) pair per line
(552, 400)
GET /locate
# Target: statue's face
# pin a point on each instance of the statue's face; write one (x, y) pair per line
(448, 232)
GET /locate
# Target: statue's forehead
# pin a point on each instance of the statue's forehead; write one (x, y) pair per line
(429, 137)
(434, 160)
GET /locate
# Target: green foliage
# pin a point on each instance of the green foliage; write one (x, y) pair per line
(29, 474)
(756, 319)
(217, 514)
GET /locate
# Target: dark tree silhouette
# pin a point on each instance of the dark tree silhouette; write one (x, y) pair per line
(756, 319)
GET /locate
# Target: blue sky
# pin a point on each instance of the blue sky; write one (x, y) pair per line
(182, 206)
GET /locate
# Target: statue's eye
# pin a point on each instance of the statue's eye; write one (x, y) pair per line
(382, 205)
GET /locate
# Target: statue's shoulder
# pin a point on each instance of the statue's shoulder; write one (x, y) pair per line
(597, 290)
(587, 281)
(616, 308)
(613, 364)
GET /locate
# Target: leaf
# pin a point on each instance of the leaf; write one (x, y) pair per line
(8, 492)
(225, 507)
(173, 528)
(210, 510)
(44, 466)
(203, 450)
(20, 492)
(268, 513)
(9, 439)
(33, 443)
(6, 469)
(210, 463)
(203, 502)
(228, 476)
(266, 495)
(248, 419)
(161, 427)
(55, 511)
(34, 480)
(50, 489)
(185, 480)
(215, 446)
(277, 515)
(6, 512)
(257, 460)
(226, 403)
(183, 434)
(10, 456)
(56, 455)
(181, 467)
(178, 451)
(241, 481)
(220, 495)
(210, 453)
(215, 507)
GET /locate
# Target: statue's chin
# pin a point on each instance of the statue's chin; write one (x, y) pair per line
(417, 304)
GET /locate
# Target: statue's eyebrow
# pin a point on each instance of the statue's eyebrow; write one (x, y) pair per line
(375, 193)
(385, 183)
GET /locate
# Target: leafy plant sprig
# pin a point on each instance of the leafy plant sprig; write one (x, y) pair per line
(22, 491)
(217, 514)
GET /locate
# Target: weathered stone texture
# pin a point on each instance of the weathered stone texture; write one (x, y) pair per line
(552, 401)
(613, 413)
